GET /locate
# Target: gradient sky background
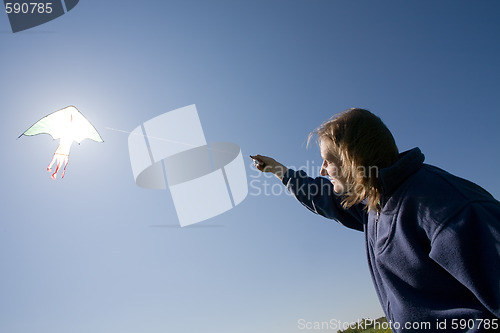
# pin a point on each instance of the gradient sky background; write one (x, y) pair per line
(96, 253)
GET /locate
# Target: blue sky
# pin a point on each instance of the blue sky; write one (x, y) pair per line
(96, 253)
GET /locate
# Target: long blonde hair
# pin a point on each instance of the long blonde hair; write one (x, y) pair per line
(361, 143)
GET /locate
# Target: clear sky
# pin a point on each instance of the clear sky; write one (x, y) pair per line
(96, 253)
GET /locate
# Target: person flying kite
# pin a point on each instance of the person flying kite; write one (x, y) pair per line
(68, 125)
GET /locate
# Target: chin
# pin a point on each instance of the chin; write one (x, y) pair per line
(339, 189)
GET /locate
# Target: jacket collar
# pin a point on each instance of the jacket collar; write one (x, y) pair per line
(392, 177)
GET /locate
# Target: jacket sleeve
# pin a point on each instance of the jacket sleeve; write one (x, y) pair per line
(468, 247)
(318, 196)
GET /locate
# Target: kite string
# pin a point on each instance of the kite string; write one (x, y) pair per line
(152, 137)
(166, 140)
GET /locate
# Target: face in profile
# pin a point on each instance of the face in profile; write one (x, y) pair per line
(330, 168)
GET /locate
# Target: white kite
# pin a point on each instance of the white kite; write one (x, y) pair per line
(68, 125)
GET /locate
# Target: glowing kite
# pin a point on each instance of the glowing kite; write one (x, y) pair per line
(68, 125)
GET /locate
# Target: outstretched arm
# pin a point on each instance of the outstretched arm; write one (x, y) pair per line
(268, 164)
(316, 194)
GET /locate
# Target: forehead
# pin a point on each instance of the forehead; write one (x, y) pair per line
(326, 153)
(323, 147)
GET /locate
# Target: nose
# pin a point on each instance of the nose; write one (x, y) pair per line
(323, 169)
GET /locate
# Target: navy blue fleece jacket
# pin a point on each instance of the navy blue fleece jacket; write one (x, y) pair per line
(433, 249)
